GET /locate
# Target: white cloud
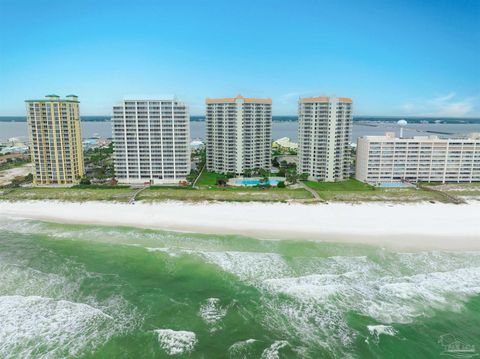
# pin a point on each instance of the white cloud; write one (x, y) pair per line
(448, 105)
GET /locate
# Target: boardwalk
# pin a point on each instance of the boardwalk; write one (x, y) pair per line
(313, 192)
(135, 194)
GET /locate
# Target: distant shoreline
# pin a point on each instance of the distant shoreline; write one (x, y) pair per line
(441, 120)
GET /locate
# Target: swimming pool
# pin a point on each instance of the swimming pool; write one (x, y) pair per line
(255, 182)
(393, 185)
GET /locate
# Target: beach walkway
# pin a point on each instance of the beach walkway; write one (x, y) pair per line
(135, 194)
(450, 198)
(199, 175)
(312, 191)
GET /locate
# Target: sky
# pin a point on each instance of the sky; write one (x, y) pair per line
(395, 58)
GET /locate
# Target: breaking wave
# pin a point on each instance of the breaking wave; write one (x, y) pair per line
(175, 342)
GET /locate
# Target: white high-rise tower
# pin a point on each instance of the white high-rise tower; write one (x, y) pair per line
(151, 141)
(324, 133)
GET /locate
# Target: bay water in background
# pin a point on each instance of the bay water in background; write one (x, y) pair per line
(280, 128)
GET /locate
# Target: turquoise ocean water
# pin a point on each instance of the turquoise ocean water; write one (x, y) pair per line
(82, 291)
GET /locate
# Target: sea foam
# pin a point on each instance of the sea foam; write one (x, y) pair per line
(212, 312)
(380, 329)
(175, 342)
(46, 328)
(45, 315)
(273, 351)
(398, 291)
(252, 266)
(242, 349)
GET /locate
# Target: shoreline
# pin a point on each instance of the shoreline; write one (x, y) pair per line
(415, 226)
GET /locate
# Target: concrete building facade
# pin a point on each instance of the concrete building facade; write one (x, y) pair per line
(55, 137)
(151, 141)
(324, 135)
(387, 159)
(239, 134)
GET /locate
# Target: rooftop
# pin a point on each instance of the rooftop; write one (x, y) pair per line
(325, 99)
(389, 136)
(239, 97)
(56, 98)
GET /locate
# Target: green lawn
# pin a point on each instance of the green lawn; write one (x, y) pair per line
(209, 179)
(348, 185)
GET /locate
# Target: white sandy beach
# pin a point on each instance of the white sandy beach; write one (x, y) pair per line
(406, 226)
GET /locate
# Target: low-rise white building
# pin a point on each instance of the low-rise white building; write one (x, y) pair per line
(285, 144)
(151, 141)
(14, 149)
(387, 159)
(197, 144)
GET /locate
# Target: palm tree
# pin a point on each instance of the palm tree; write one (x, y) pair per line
(291, 176)
(264, 174)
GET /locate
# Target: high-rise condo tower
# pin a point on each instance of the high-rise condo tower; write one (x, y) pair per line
(324, 133)
(151, 141)
(239, 134)
(55, 140)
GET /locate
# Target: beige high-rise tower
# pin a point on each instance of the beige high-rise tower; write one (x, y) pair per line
(55, 140)
(239, 134)
(324, 133)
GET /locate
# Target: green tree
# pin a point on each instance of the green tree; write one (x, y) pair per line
(291, 176)
(264, 175)
(29, 177)
(303, 177)
(85, 181)
(275, 162)
(203, 155)
(192, 175)
(221, 182)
